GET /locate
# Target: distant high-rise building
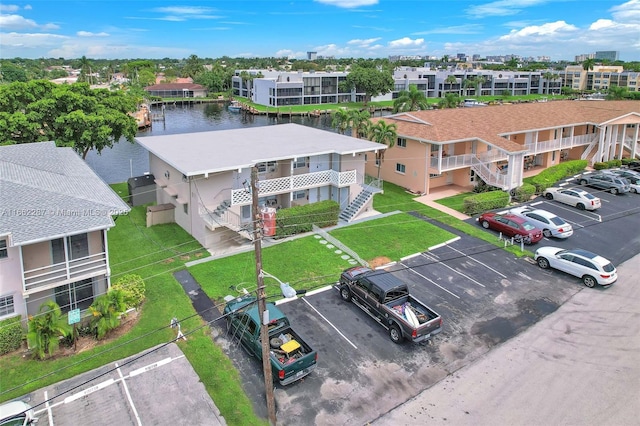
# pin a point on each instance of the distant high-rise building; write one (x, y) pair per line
(584, 57)
(312, 56)
(610, 55)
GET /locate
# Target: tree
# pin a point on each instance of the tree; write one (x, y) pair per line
(340, 120)
(588, 64)
(410, 100)
(45, 329)
(192, 67)
(386, 134)
(85, 70)
(10, 73)
(71, 115)
(359, 121)
(106, 311)
(370, 81)
(450, 100)
(512, 63)
(450, 80)
(549, 76)
(617, 93)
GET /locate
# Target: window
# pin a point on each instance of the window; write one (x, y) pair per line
(436, 175)
(3, 248)
(267, 167)
(299, 163)
(400, 168)
(402, 142)
(78, 295)
(300, 195)
(6, 305)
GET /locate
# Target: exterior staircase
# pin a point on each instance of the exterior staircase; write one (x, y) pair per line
(221, 217)
(356, 205)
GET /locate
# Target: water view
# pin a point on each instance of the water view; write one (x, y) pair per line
(126, 160)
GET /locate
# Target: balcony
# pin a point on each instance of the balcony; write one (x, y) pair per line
(557, 144)
(288, 184)
(50, 276)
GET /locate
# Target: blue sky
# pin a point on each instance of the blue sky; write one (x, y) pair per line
(560, 29)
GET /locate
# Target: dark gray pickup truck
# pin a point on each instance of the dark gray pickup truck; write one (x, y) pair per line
(387, 300)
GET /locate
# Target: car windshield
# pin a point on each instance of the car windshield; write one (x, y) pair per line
(557, 220)
(589, 196)
(528, 226)
(608, 267)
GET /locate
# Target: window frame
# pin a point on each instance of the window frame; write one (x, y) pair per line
(6, 305)
(401, 168)
(4, 248)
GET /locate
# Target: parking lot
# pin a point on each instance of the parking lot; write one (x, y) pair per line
(484, 294)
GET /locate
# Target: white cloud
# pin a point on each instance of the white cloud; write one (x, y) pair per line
(501, 8)
(348, 4)
(90, 34)
(17, 22)
(627, 12)
(549, 29)
(363, 43)
(406, 42)
(456, 29)
(290, 54)
(9, 8)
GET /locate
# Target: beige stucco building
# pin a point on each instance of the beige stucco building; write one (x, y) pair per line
(497, 144)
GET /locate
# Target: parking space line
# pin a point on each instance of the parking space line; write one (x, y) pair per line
(454, 270)
(476, 260)
(576, 211)
(48, 408)
(329, 322)
(88, 391)
(431, 281)
(126, 391)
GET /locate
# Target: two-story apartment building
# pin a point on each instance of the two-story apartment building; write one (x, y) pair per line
(497, 143)
(54, 216)
(205, 177)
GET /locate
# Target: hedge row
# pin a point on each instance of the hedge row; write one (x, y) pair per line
(524, 193)
(553, 174)
(11, 334)
(300, 219)
(611, 164)
(479, 203)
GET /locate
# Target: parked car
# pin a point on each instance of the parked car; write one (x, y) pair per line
(575, 197)
(634, 184)
(625, 173)
(606, 181)
(16, 413)
(511, 226)
(591, 268)
(551, 225)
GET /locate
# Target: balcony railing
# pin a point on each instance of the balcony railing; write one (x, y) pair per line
(564, 143)
(65, 272)
(287, 184)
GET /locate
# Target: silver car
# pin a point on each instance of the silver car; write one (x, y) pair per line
(576, 197)
(551, 225)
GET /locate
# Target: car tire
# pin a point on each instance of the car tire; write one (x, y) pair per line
(547, 233)
(589, 281)
(582, 182)
(345, 293)
(395, 334)
(634, 190)
(485, 224)
(548, 196)
(580, 206)
(543, 263)
(614, 191)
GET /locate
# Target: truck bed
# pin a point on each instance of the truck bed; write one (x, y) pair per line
(287, 347)
(423, 313)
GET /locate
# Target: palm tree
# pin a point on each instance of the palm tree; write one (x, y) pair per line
(340, 120)
(385, 134)
(411, 100)
(588, 64)
(450, 100)
(106, 311)
(450, 80)
(359, 121)
(617, 93)
(85, 65)
(45, 329)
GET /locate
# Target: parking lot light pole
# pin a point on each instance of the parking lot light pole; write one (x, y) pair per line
(264, 329)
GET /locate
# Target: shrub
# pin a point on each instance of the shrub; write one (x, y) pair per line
(479, 203)
(132, 288)
(11, 334)
(600, 166)
(524, 193)
(299, 219)
(106, 311)
(550, 176)
(46, 328)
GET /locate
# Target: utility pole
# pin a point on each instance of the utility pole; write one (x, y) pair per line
(262, 304)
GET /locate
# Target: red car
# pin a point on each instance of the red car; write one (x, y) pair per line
(511, 226)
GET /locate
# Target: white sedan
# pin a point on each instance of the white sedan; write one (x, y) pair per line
(551, 225)
(591, 268)
(576, 197)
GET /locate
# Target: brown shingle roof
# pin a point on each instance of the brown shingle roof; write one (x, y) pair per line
(492, 123)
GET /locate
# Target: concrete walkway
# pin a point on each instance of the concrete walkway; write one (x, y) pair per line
(444, 192)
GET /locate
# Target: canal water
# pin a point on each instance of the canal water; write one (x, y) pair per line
(126, 160)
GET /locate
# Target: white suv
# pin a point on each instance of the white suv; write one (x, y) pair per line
(16, 413)
(590, 267)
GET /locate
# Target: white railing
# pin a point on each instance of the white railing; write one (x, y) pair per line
(491, 178)
(287, 184)
(228, 218)
(65, 271)
(564, 143)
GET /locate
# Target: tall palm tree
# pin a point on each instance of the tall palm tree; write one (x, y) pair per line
(340, 120)
(85, 65)
(450, 80)
(410, 100)
(467, 83)
(549, 76)
(385, 134)
(359, 121)
(588, 64)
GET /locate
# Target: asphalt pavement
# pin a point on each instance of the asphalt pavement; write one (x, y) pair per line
(578, 366)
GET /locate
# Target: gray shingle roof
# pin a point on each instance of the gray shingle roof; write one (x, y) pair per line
(221, 150)
(47, 192)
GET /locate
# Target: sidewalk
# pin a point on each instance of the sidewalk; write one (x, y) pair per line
(444, 192)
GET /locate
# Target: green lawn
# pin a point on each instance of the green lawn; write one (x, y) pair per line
(455, 202)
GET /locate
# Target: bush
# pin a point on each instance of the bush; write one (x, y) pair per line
(600, 166)
(299, 219)
(46, 329)
(524, 193)
(611, 164)
(553, 174)
(479, 203)
(11, 334)
(106, 311)
(132, 288)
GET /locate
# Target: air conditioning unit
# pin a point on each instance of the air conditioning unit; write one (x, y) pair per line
(272, 169)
